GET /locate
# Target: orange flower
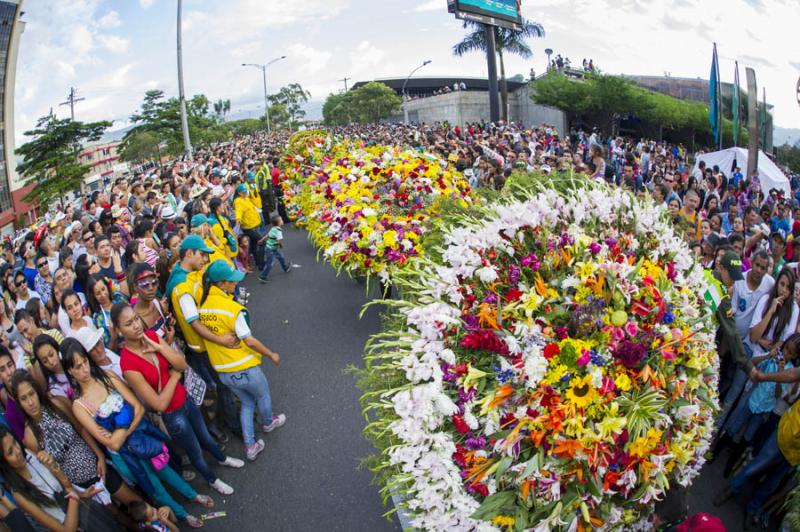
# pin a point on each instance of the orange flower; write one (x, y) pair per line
(567, 448)
(500, 395)
(487, 315)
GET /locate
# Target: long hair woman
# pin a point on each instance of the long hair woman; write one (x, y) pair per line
(51, 427)
(110, 411)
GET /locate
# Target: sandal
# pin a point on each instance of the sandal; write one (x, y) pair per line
(193, 521)
(205, 500)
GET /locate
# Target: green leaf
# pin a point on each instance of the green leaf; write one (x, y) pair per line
(505, 462)
(493, 505)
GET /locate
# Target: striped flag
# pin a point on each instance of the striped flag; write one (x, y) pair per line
(714, 111)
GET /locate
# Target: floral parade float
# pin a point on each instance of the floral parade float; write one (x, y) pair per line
(366, 208)
(550, 366)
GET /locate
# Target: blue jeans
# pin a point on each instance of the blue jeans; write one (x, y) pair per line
(743, 418)
(252, 389)
(189, 431)
(769, 460)
(737, 386)
(269, 257)
(225, 402)
(160, 494)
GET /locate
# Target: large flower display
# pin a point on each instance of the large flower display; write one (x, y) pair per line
(366, 208)
(552, 367)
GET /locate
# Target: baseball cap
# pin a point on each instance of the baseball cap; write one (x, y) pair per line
(88, 337)
(220, 270)
(199, 219)
(241, 188)
(733, 264)
(196, 243)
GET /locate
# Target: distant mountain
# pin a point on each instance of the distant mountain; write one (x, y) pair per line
(785, 134)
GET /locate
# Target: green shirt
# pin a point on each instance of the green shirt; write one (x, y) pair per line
(274, 238)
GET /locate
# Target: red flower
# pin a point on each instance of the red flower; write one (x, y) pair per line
(551, 350)
(481, 489)
(486, 341)
(513, 294)
(562, 333)
(460, 424)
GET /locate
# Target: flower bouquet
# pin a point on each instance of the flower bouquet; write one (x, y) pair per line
(551, 367)
(367, 209)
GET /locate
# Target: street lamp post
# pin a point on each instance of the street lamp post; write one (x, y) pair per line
(405, 96)
(187, 143)
(263, 68)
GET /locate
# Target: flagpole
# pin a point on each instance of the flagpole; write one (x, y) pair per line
(718, 90)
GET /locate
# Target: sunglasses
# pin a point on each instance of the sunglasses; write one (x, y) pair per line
(20, 283)
(88, 239)
(147, 283)
(41, 264)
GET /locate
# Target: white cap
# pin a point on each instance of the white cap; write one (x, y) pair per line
(88, 337)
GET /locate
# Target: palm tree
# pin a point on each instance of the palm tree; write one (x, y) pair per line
(506, 41)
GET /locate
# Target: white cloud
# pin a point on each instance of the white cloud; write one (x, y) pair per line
(109, 21)
(146, 3)
(311, 60)
(431, 5)
(113, 43)
(365, 55)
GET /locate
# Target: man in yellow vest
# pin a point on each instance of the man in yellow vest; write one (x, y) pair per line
(238, 367)
(185, 287)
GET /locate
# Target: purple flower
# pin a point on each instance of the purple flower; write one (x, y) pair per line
(466, 396)
(595, 248)
(490, 299)
(630, 354)
(513, 274)
(527, 260)
(475, 443)
(471, 322)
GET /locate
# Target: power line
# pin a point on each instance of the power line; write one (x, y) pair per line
(71, 100)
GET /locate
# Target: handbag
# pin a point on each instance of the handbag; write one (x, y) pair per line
(195, 386)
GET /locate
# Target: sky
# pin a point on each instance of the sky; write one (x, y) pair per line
(112, 51)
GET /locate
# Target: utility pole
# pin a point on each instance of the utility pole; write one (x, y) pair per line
(263, 68)
(71, 99)
(187, 143)
(345, 79)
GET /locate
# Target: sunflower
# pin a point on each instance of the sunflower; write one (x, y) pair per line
(581, 393)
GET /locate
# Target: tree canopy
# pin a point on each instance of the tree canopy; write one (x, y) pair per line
(368, 103)
(162, 118)
(612, 98)
(50, 158)
(286, 111)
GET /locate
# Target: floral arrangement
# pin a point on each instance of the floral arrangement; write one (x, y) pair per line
(366, 208)
(551, 367)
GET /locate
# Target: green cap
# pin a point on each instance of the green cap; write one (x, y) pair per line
(241, 189)
(198, 220)
(221, 270)
(733, 264)
(196, 243)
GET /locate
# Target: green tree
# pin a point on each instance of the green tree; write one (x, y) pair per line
(373, 101)
(162, 118)
(50, 158)
(245, 126)
(140, 147)
(507, 41)
(290, 100)
(222, 108)
(336, 109)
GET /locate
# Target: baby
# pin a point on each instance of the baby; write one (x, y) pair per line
(161, 520)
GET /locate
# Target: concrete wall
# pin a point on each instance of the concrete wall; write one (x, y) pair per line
(459, 108)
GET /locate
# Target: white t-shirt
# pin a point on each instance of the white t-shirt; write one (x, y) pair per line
(791, 325)
(32, 294)
(113, 367)
(241, 327)
(744, 302)
(63, 319)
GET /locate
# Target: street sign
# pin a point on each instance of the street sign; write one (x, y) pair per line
(503, 13)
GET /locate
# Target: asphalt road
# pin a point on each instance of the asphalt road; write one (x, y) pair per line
(307, 478)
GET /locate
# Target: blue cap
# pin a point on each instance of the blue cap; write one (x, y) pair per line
(195, 242)
(240, 188)
(221, 270)
(199, 219)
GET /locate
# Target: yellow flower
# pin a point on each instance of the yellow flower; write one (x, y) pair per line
(390, 238)
(473, 375)
(586, 270)
(623, 382)
(581, 393)
(642, 445)
(503, 521)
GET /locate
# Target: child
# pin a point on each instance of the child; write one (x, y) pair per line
(149, 518)
(274, 249)
(244, 261)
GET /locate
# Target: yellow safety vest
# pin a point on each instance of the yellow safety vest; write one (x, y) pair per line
(246, 213)
(219, 231)
(264, 177)
(219, 253)
(789, 434)
(218, 312)
(193, 285)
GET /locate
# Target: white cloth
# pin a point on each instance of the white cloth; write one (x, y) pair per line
(790, 328)
(241, 327)
(744, 303)
(32, 294)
